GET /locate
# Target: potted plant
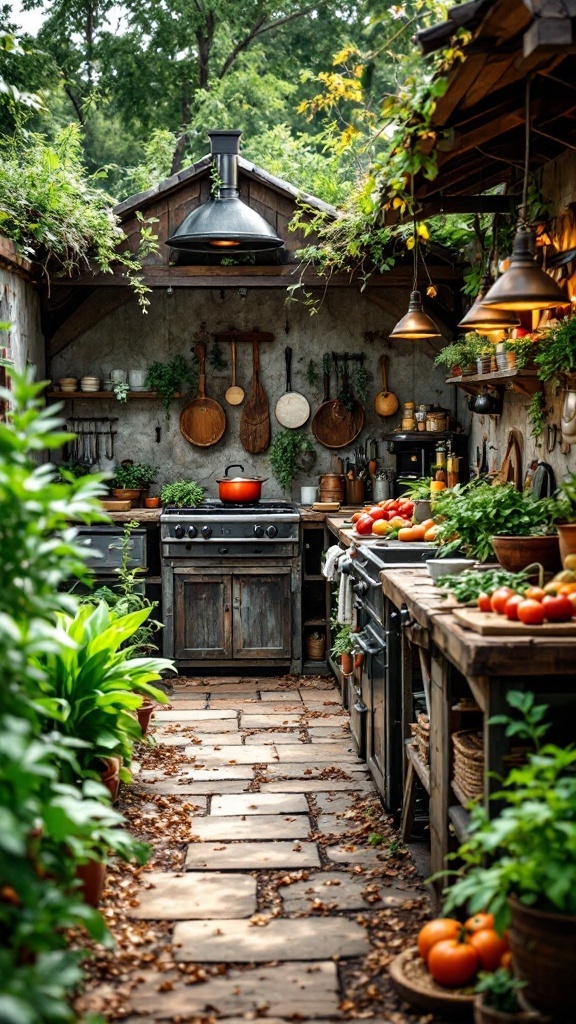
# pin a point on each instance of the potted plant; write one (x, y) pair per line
(485, 520)
(520, 351)
(461, 355)
(342, 647)
(131, 478)
(286, 451)
(419, 492)
(520, 865)
(566, 524)
(173, 377)
(182, 494)
(497, 1001)
(556, 365)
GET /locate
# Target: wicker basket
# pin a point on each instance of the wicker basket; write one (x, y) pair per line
(469, 762)
(420, 730)
(315, 646)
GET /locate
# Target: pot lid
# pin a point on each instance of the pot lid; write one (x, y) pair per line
(241, 480)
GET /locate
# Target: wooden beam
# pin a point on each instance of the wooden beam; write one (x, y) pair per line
(11, 259)
(466, 204)
(94, 309)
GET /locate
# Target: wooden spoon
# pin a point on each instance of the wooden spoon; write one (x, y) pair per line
(386, 402)
(234, 394)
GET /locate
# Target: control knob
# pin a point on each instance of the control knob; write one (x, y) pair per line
(179, 530)
(192, 531)
(271, 531)
(361, 587)
(258, 531)
(206, 532)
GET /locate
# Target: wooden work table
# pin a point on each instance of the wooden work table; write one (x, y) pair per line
(457, 663)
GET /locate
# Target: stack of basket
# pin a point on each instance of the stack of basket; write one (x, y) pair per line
(420, 730)
(469, 762)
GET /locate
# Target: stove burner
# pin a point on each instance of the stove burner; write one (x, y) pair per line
(213, 506)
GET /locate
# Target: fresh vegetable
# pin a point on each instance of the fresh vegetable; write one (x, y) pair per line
(376, 512)
(364, 524)
(534, 593)
(484, 603)
(470, 584)
(531, 613)
(511, 607)
(381, 527)
(557, 609)
(489, 946)
(453, 962)
(436, 931)
(479, 922)
(499, 598)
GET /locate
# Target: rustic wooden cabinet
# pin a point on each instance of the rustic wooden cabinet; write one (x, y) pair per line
(242, 613)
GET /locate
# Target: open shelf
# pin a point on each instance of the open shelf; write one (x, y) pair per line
(422, 770)
(459, 819)
(71, 396)
(524, 382)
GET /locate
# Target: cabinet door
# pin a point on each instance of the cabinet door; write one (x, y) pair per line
(262, 603)
(202, 615)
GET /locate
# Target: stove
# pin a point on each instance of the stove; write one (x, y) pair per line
(231, 583)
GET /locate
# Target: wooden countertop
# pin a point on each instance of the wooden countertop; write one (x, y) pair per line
(152, 515)
(471, 653)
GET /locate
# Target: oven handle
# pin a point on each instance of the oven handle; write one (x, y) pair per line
(357, 571)
(365, 646)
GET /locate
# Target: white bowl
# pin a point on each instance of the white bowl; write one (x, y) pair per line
(448, 566)
(68, 380)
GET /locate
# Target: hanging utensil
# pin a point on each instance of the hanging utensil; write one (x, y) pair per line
(333, 425)
(255, 421)
(203, 420)
(386, 402)
(235, 394)
(292, 409)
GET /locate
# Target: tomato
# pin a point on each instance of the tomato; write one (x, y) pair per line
(406, 533)
(506, 960)
(531, 613)
(483, 602)
(498, 599)
(478, 922)
(511, 607)
(453, 963)
(381, 527)
(567, 588)
(534, 594)
(572, 599)
(387, 504)
(375, 512)
(490, 947)
(436, 931)
(557, 609)
(364, 524)
(399, 522)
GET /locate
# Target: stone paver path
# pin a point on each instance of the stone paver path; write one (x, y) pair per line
(278, 899)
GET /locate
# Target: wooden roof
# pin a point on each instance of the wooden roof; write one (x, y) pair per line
(482, 114)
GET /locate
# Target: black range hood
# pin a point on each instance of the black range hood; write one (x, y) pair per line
(225, 224)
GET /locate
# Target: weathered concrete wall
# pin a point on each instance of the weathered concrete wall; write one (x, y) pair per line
(127, 339)
(20, 306)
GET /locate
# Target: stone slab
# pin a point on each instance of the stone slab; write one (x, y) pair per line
(321, 695)
(171, 739)
(185, 703)
(217, 739)
(182, 897)
(339, 752)
(273, 737)
(218, 725)
(271, 721)
(316, 786)
(260, 803)
(351, 854)
(294, 990)
(340, 891)
(210, 756)
(251, 856)
(196, 789)
(334, 825)
(216, 774)
(176, 715)
(336, 802)
(351, 771)
(251, 826)
(278, 696)
(331, 732)
(223, 941)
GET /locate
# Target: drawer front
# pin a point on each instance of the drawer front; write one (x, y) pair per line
(105, 549)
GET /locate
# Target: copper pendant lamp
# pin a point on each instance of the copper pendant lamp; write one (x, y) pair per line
(416, 324)
(525, 286)
(487, 318)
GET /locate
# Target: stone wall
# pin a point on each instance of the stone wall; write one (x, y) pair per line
(346, 321)
(20, 306)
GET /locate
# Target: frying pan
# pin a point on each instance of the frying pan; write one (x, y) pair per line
(386, 402)
(333, 425)
(292, 409)
(203, 420)
(255, 419)
(234, 394)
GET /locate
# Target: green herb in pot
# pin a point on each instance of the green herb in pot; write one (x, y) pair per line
(182, 494)
(469, 585)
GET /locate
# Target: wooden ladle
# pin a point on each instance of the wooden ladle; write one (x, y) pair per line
(234, 394)
(386, 402)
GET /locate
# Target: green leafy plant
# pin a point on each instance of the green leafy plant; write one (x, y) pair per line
(537, 415)
(286, 449)
(566, 512)
(529, 849)
(465, 352)
(524, 349)
(360, 381)
(499, 990)
(470, 584)
(470, 514)
(312, 375)
(556, 353)
(418, 490)
(133, 475)
(121, 390)
(177, 375)
(216, 357)
(182, 494)
(343, 641)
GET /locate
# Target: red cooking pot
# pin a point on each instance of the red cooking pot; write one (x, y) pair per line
(240, 488)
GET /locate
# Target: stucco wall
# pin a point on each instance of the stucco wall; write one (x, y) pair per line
(20, 306)
(127, 339)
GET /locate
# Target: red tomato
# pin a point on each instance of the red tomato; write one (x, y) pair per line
(436, 931)
(364, 524)
(534, 594)
(375, 512)
(557, 609)
(484, 603)
(531, 613)
(489, 946)
(511, 607)
(479, 922)
(453, 963)
(354, 518)
(499, 598)
(572, 599)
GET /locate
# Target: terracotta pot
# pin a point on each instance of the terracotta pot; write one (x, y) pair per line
(151, 502)
(92, 876)
(515, 553)
(110, 774)
(132, 494)
(567, 539)
(544, 956)
(487, 1015)
(347, 663)
(511, 359)
(143, 713)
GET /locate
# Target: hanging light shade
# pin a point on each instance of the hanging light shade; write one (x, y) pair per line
(225, 223)
(487, 318)
(524, 285)
(416, 324)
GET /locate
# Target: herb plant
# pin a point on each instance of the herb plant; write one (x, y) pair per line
(499, 990)
(312, 375)
(285, 452)
(529, 848)
(524, 348)
(121, 389)
(418, 490)
(567, 500)
(556, 353)
(216, 357)
(177, 375)
(469, 585)
(465, 352)
(182, 494)
(537, 415)
(133, 475)
(343, 641)
(470, 514)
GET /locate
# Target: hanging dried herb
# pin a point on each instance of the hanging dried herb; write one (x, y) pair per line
(360, 381)
(216, 357)
(312, 375)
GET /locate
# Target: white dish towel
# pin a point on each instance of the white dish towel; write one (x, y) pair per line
(331, 564)
(345, 600)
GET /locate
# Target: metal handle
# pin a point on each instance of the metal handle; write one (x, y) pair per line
(233, 465)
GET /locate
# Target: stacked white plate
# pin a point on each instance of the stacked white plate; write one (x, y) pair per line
(90, 384)
(68, 383)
